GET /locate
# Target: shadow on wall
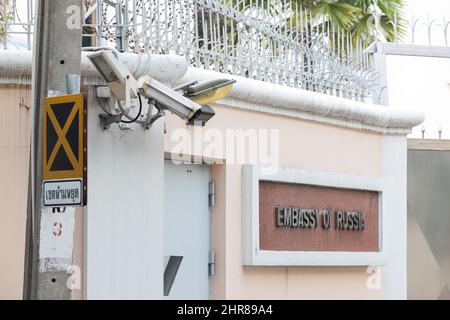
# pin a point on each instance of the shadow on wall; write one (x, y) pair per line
(428, 221)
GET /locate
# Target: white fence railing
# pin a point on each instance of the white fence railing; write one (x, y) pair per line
(276, 41)
(429, 31)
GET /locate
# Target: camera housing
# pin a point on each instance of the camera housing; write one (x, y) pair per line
(115, 73)
(125, 87)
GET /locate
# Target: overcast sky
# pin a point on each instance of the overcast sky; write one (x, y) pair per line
(435, 7)
(436, 10)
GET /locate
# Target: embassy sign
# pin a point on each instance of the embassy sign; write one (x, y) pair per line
(306, 218)
(64, 151)
(289, 217)
(302, 217)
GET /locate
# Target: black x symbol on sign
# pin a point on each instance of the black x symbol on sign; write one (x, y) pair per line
(63, 139)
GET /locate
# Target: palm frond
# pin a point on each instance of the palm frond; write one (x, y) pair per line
(340, 14)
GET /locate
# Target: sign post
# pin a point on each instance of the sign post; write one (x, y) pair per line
(64, 151)
(56, 56)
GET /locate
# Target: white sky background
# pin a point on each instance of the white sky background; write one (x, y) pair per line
(436, 8)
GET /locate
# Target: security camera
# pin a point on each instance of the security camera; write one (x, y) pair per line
(119, 79)
(125, 87)
(175, 102)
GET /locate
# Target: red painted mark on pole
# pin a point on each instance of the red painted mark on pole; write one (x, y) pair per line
(57, 229)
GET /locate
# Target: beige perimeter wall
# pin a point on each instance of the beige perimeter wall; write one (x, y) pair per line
(14, 154)
(303, 144)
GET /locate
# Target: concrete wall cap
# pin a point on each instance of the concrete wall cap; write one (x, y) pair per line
(16, 64)
(273, 95)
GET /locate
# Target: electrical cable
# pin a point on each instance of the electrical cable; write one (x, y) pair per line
(139, 113)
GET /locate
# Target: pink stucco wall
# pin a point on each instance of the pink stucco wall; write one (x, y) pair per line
(14, 161)
(305, 145)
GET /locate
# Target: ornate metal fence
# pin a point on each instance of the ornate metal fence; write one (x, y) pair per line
(429, 31)
(276, 41)
(16, 21)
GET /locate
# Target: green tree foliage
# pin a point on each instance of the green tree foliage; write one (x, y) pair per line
(370, 20)
(5, 15)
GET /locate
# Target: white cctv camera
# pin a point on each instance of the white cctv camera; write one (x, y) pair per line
(119, 79)
(175, 102)
(125, 87)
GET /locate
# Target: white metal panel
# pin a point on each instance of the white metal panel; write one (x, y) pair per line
(125, 208)
(187, 228)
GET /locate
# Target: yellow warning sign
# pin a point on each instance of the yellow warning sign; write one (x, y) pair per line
(64, 143)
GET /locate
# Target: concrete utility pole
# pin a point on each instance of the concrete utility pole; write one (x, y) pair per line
(57, 53)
